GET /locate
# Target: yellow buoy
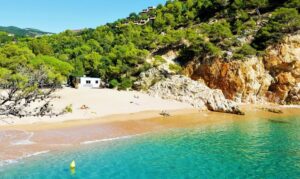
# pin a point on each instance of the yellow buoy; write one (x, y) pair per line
(73, 164)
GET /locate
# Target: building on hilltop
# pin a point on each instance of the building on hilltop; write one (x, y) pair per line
(152, 18)
(144, 11)
(151, 8)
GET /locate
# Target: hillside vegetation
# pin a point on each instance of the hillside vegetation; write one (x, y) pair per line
(198, 29)
(19, 32)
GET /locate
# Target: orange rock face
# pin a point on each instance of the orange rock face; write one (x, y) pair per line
(284, 83)
(239, 80)
(283, 63)
(270, 78)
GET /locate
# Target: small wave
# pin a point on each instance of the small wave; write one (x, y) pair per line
(23, 142)
(109, 139)
(13, 161)
(35, 154)
(7, 162)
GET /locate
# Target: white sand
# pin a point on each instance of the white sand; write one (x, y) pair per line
(100, 103)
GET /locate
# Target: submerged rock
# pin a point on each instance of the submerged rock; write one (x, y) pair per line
(272, 110)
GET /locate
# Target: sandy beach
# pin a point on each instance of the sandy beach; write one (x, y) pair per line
(96, 103)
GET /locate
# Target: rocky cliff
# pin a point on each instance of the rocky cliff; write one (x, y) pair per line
(282, 61)
(274, 77)
(161, 82)
(219, 85)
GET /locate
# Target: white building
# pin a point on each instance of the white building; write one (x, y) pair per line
(88, 82)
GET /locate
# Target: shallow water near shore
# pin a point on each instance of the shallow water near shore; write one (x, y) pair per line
(246, 149)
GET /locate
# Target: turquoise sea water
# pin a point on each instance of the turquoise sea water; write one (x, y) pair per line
(245, 149)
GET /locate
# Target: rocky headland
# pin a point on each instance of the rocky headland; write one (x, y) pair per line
(220, 85)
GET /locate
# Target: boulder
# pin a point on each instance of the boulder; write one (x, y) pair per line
(151, 76)
(294, 95)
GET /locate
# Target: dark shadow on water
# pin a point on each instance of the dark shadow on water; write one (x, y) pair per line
(279, 121)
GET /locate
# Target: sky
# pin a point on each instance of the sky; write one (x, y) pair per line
(59, 15)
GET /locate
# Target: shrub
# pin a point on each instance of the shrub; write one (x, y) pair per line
(283, 20)
(68, 109)
(245, 51)
(293, 4)
(174, 67)
(4, 73)
(200, 46)
(242, 27)
(125, 84)
(113, 83)
(158, 60)
(217, 31)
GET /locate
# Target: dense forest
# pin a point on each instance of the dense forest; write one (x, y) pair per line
(118, 52)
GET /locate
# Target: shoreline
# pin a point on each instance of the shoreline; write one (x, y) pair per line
(31, 139)
(145, 115)
(122, 117)
(108, 104)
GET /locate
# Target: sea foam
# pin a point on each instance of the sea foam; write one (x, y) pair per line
(13, 161)
(109, 139)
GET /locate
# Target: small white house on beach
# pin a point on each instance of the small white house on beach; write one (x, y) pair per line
(87, 82)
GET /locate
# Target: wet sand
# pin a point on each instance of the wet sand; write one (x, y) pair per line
(21, 141)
